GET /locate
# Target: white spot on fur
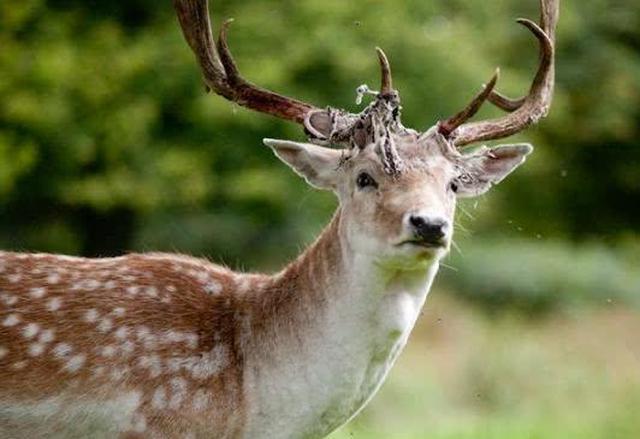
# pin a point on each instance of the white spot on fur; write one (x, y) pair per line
(192, 340)
(98, 371)
(38, 292)
(178, 392)
(177, 336)
(127, 347)
(19, 365)
(152, 292)
(148, 339)
(30, 330)
(62, 350)
(90, 284)
(86, 284)
(138, 423)
(14, 278)
(91, 316)
(105, 325)
(46, 336)
(3, 352)
(118, 373)
(153, 363)
(142, 332)
(208, 365)
(244, 283)
(150, 342)
(144, 361)
(175, 364)
(75, 363)
(213, 287)
(108, 351)
(8, 299)
(11, 320)
(122, 332)
(118, 312)
(159, 399)
(36, 349)
(134, 290)
(53, 278)
(200, 400)
(54, 304)
(173, 336)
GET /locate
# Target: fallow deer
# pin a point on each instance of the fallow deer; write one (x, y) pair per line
(170, 346)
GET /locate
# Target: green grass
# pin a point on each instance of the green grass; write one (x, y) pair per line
(466, 374)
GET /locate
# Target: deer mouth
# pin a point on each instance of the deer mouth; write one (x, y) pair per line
(440, 243)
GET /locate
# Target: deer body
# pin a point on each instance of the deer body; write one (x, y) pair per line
(87, 344)
(99, 348)
(168, 346)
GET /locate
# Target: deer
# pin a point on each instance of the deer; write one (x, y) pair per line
(156, 345)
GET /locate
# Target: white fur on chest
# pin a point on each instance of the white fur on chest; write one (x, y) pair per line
(342, 362)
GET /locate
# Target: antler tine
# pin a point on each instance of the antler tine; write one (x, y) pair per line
(386, 83)
(220, 71)
(535, 105)
(229, 64)
(504, 102)
(448, 126)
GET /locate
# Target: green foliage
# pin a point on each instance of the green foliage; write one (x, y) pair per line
(541, 274)
(108, 142)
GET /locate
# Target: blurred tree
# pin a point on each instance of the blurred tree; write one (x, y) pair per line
(108, 142)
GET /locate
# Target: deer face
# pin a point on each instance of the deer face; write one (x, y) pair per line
(400, 216)
(399, 207)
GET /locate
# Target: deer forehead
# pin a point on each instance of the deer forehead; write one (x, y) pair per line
(422, 166)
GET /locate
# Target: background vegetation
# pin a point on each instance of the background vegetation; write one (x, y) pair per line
(108, 144)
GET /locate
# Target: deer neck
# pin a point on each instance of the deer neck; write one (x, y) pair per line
(325, 332)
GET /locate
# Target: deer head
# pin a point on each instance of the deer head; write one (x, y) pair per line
(397, 186)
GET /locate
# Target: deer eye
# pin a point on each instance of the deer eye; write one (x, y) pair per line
(365, 180)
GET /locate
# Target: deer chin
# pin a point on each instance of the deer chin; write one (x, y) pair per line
(408, 262)
(410, 255)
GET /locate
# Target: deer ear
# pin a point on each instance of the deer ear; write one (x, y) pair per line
(317, 164)
(319, 124)
(489, 166)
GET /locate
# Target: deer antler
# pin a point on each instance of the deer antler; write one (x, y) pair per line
(386, 83)
(450, 125)
(524, 111)
(220, 71)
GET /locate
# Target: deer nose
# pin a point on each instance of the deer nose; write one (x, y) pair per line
(430, 230)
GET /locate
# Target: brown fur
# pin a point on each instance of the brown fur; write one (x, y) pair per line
(144, 322)
(116, 316)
